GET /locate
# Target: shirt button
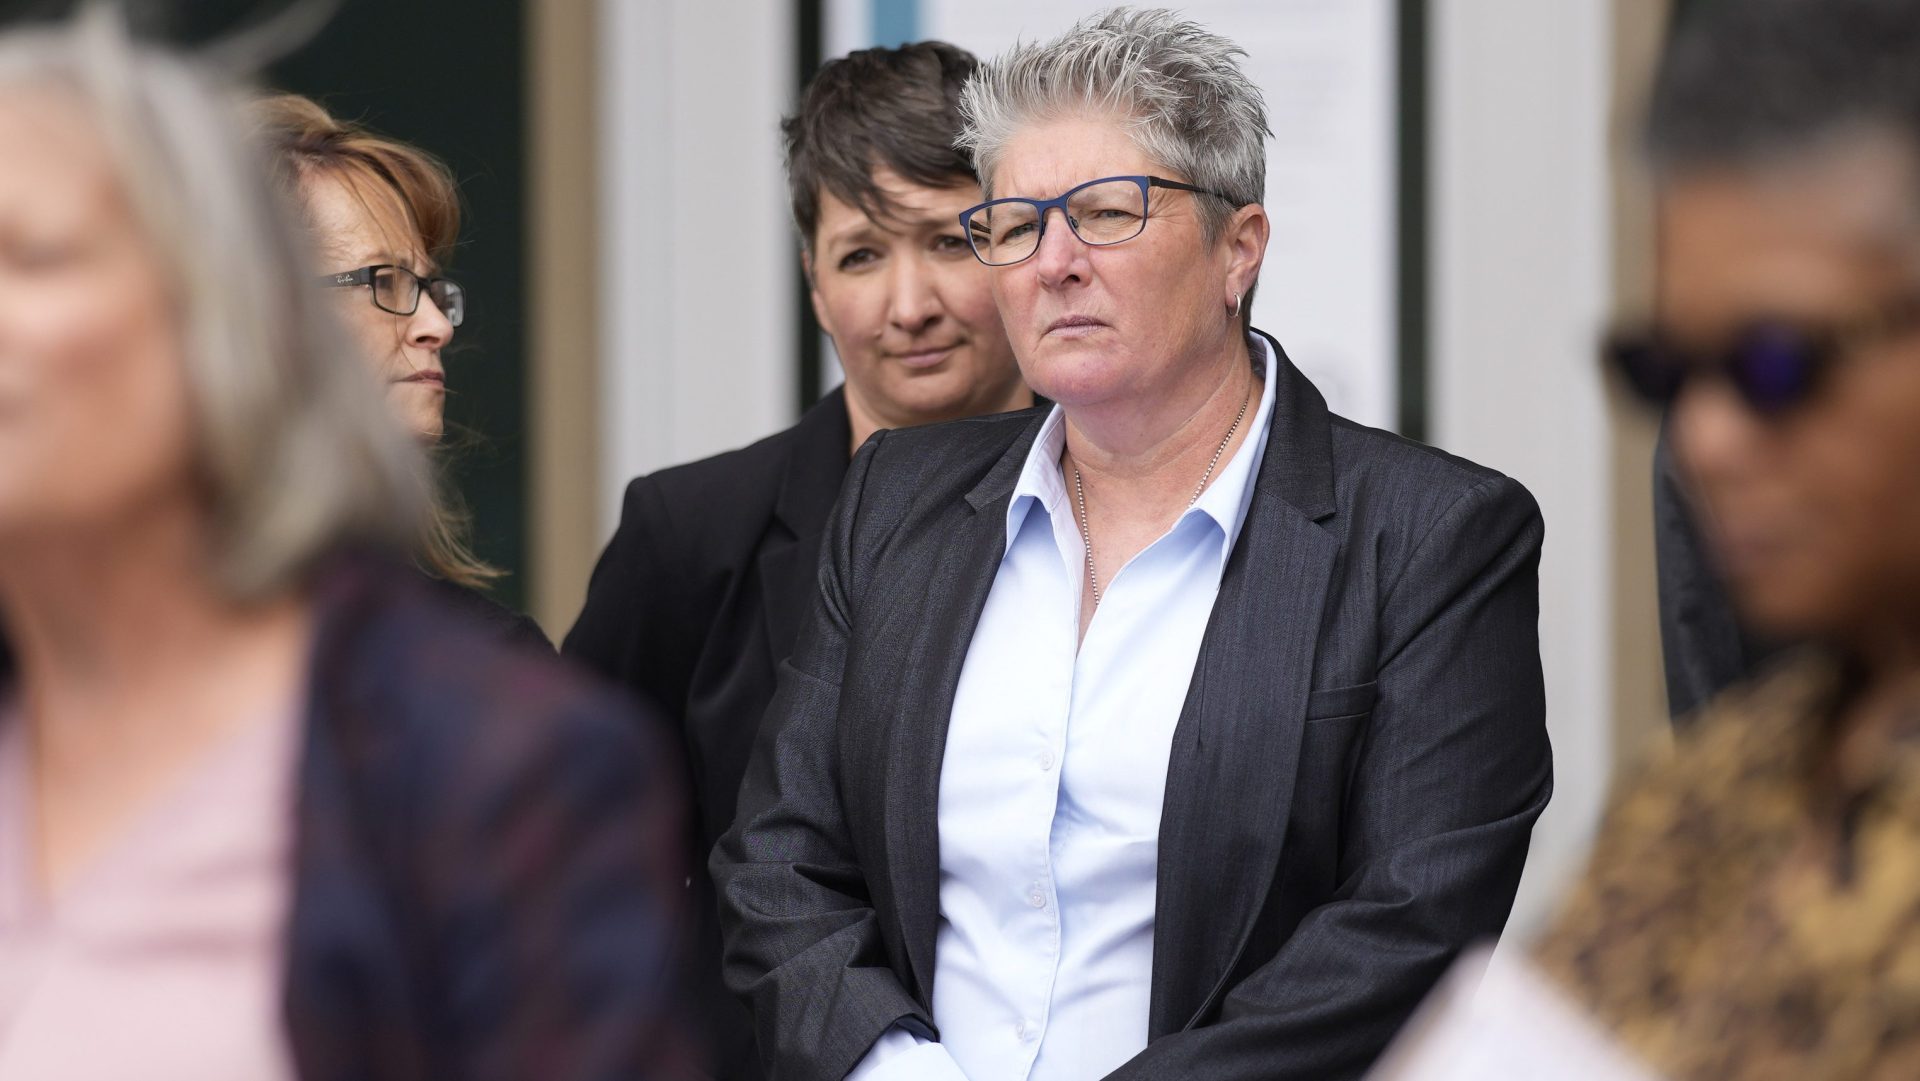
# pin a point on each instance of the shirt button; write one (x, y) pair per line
(1046, 760)
(1020, 1030)
(1037, 899)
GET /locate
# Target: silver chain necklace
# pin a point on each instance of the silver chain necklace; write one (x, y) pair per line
(1080, 492)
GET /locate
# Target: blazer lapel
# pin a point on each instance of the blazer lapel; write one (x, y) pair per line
(1237, 744)
(822, 447)
(960, 573)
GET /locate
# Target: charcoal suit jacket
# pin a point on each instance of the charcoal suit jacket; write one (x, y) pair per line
(1354, 775)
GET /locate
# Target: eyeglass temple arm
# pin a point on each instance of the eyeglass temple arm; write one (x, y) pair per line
(1157, 182)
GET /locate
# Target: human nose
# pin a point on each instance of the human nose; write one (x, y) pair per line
(428, 327)
(1715, 436)
(1061, 256)
(913, 304)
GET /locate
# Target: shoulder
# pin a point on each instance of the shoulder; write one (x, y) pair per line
(935, 464)
(413, 687)
(1406, 489)
(500, 622)
(730, 494)
(1376, 466)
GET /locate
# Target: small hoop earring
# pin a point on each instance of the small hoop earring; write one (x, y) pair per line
(1235, 313)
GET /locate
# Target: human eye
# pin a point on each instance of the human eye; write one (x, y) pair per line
(950, 244)
(857, 258)
(41, 253)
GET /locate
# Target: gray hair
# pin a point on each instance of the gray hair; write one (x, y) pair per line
(1190, 107)
(294, 445)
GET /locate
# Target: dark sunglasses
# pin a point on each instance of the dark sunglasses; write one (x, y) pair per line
(1774, 365)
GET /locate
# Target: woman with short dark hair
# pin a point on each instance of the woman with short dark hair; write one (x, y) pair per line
(701, 592)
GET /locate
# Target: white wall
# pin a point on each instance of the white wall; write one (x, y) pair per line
(1521, 279)
(697, 340)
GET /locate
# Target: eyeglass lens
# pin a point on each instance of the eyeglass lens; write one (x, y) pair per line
(1099, 214)
(397, 290)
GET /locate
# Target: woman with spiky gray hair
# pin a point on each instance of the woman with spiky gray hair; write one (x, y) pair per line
(1183, 730)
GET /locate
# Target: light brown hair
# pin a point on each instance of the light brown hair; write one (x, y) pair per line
(305, 141)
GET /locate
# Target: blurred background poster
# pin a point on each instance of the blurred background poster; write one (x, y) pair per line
(1328, 69)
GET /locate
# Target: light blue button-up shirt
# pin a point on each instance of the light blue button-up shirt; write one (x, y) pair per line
(1052, 784)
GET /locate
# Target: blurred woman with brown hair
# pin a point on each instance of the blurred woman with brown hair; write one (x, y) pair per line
(385, 217)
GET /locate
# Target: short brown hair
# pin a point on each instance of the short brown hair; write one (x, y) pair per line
(304, 141)
(898, 108)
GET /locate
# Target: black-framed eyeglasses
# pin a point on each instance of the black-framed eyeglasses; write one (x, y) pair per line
(1774, 365)
(1100, 212)
(396, 289)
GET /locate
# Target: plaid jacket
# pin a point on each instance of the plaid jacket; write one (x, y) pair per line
(487, 856)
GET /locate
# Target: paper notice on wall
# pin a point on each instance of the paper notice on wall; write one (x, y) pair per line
(1497, 1018)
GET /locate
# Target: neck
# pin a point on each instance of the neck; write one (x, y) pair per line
(1152, 449)
(126, 622)
(866, 417)
(1889, 651)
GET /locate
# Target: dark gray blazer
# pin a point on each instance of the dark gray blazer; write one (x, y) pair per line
(1354, 777)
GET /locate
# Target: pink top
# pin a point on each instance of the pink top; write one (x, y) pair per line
(163, 959)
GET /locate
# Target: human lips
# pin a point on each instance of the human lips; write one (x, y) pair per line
(1073, 326)
(429, 378)
(926, 357)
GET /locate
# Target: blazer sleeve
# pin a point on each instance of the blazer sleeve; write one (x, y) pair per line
(1451, 774)
(1704, 648)
(552, 858)
(629, 629)
(802, 940)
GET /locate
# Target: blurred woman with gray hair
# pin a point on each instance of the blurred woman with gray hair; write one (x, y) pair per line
(266, 809)
(1183, 731)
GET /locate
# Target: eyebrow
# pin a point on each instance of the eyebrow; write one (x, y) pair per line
(377, 258)
(902, 224)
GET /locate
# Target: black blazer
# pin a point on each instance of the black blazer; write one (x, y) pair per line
(696, 599)
(1354, 777)
(486, 867)
(1703, 645)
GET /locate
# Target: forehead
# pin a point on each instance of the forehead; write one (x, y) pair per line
(356, 218)
(912, 207)
(52, 158)
(1045, 158)
(1803, 236)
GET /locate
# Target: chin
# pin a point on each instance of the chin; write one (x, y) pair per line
(1784, 607)
(1075, 382)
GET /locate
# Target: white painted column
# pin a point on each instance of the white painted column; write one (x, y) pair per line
(1521, 283)
(697, 249)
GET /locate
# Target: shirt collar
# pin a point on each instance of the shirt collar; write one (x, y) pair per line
(1225, 501)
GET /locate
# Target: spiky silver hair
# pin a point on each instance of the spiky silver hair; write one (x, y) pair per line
(1178, 86)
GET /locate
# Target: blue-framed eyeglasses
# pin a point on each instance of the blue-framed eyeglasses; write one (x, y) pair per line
(1100, 212)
